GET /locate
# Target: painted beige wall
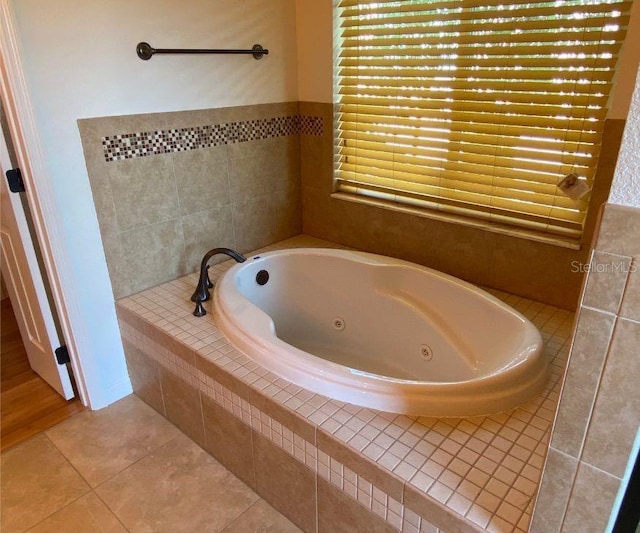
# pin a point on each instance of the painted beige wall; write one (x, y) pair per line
(314, 27)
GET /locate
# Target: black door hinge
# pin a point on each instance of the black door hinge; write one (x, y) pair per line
(62, 355)
(14, 177)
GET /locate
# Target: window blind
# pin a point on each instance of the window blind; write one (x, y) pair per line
(475, 107)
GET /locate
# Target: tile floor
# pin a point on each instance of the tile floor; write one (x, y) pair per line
(125, 468)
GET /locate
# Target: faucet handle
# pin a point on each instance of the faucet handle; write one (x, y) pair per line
(199, 310)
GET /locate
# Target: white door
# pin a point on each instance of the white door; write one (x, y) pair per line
(26, 290)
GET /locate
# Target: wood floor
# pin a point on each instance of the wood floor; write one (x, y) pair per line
(28, 405)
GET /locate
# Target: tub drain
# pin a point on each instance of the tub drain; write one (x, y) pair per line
(426, 353)
(338, 323)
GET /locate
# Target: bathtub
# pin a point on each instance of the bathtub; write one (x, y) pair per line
(380, 332)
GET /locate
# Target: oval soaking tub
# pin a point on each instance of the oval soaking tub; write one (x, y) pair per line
(380, 332)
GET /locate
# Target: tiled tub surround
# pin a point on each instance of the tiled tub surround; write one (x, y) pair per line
(322, 462)
(169, 186)
(599, 412)
(532, 269)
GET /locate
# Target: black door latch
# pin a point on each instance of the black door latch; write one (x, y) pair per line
(14, 177)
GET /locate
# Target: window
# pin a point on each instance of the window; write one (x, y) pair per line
(475, 108)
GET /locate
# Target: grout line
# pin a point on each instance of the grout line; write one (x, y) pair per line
(112, 511)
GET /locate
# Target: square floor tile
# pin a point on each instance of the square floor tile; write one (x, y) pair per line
(100, 444)
(178, 487)
(37, 481)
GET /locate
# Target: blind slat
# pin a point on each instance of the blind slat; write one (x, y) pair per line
(380, 8)
(385, 134)
(477, 95)
(498, 119)
(500, 14)
(491, 24)
(513, 77)
(364, 122)
(500, 107)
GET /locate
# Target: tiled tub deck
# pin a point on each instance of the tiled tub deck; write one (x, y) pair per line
(332, 466)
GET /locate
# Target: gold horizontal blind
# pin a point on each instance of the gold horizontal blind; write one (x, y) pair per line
(475, 107)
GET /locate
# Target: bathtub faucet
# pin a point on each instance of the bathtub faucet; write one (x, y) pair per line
(202, 293)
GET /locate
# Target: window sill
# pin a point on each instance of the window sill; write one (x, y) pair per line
(493, 227)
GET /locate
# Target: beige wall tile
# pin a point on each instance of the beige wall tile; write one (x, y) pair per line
(251, 218)
(316, 213)
(606, 281)
(285, 483)
(182, 405)
(144, 191)
(317, 109)
(467, 253)
(262, 166)
(154, 254)
(117, 265)
(586, 361)
(286, 210)
(204, 231)
(202, 179)
(201, 495)
(145, 377)
(86, 514)
(536, 270)
(229, 440)
(261, 518)
(313, 163)
(252, 170)
(555, 488)
(37, 468)
(591, 501)
(338, 512)
(97, 169)
(616, 413)
(631, 300)
(619, 231)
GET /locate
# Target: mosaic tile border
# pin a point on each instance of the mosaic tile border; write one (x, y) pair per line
(484, 470)
(131, 145)
(358, 488)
